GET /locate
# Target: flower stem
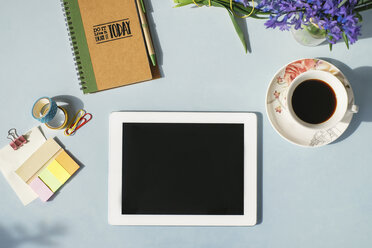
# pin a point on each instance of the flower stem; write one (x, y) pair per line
(363, 7)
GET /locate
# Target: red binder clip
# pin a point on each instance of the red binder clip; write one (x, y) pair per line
(17, 141)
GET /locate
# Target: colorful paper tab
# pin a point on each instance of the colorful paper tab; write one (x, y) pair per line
(50, 180)
(37, 160)
(47, 169)
(58, 171)
(41, 189)
(67, 162)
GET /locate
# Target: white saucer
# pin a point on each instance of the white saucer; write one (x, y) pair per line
(278, 114)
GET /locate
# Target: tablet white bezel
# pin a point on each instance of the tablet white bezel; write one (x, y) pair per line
(117, 119)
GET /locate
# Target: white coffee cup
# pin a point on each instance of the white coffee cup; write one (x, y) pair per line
(342, 99)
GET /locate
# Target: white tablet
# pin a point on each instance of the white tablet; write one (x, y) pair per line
(183, 168)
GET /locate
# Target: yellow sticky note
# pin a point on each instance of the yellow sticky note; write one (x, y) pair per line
(67, 162)
(58, 171)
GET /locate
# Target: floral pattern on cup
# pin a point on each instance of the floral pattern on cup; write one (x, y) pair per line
(293, 70)
(297, 68)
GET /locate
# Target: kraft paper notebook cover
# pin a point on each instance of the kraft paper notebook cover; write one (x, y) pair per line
(108, 43)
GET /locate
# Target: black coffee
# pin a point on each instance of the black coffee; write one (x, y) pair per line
(314, 101)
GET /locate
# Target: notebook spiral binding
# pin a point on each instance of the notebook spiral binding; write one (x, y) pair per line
(73, 44)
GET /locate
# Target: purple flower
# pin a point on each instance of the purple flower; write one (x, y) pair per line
(336, 21)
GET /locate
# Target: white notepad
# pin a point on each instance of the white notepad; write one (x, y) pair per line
(11, 160)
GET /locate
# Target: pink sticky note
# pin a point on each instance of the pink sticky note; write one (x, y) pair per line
(41, 189)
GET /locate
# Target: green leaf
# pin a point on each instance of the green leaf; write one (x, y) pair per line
(238, 31)
(342, 3)
(181, 5)
(182, 1)
(236, 25)
(345, 39)
(330, 47)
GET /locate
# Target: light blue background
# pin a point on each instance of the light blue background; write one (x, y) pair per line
(308, 197)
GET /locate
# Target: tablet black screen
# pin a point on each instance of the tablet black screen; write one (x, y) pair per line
(183, 168)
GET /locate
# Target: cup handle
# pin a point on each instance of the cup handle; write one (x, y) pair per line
(354, 109)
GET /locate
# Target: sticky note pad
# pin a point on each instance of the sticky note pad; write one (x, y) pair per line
(58, 171)
(41, 189)
(37, 160)
(50, 180)
(67, 162)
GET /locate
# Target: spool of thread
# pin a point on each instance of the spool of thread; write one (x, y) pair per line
(44, 109)
(59, 121)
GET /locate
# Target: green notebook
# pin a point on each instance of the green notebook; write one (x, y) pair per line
(108, 44)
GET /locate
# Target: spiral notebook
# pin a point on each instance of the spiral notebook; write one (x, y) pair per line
(108, 44)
